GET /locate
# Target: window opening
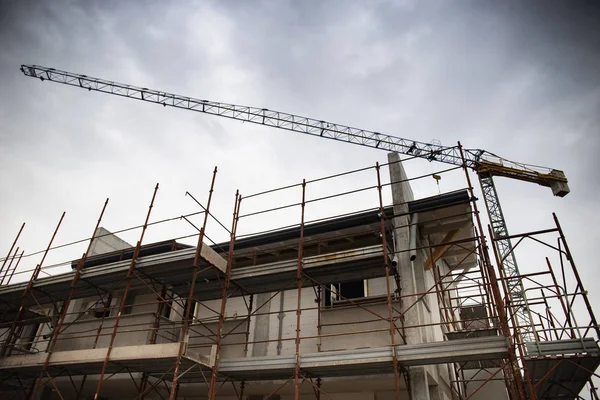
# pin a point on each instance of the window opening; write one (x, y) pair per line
(128, 307)
(99, 309)
(339, 292)
(28, 337)
(166, 308)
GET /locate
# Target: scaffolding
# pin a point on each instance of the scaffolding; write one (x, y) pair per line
(167, 319)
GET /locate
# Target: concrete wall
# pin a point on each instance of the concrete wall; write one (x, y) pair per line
(133, 330)
(106, 242)
(202, 337)
(264, 325)
(308, 323)
(355, 320)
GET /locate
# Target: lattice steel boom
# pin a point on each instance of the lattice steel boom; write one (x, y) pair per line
(486, 164)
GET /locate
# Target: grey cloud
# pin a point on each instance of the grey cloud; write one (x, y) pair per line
(518, 79)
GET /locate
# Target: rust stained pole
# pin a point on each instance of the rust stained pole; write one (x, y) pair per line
(299, 282)
(212, 388)
(550, 319)
(38, 268)
(188, 308)
(449, 312)
(387, 284)
(136, 253)
(488, 379)
(577, 277)
(484, 278)
(560, 298)
(11, 249)
(65, 306)
(159, 312)
(514, 366)
(27, 291)
(511, 315)
(15, 268)
(445, 319)
(9, 265)
(507, 305)
(544, 328)
(101, 324)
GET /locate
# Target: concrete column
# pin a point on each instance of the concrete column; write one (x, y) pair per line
(419, 387)
(401, 193)
(435, 393)
(439, 388)
(261, 326)
(421, 286)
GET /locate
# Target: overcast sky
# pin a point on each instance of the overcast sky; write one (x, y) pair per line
(519, 80)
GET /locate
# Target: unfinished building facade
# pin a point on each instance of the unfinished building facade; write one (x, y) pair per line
(400, 300)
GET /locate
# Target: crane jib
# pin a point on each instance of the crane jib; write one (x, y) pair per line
(483, 162)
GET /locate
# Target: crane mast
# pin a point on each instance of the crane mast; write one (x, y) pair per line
(486, 164)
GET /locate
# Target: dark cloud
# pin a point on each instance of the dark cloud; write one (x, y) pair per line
(519, 79)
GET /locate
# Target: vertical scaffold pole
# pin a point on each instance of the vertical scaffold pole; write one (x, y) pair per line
(212, 388)
(130, 272)
(12, 259)
(155, 327)
(561, 300)
(588, 305)
(299, 304)
(15, 268)
(10, 251)
(516, 386)
(188, 309)
(11, 333)
(387, 284)
(65, 306)
(520, 345)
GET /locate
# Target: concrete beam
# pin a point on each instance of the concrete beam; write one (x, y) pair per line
(213, 258)
(95, 357)
(439, 251)
(372, 360)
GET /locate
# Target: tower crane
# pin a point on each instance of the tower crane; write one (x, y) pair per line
(487, 165)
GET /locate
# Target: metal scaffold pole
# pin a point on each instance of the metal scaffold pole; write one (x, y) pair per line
(65, 306)
(189, 314)
(299, 283)
(12, 259)
(9, 252)
(516, 383)
(212, 388)
(511, 316)
(130, 272)
(569, 256)
(15, 267)
(11, 337)
(386, 265)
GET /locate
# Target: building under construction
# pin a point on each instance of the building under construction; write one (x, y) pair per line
(396, 300)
